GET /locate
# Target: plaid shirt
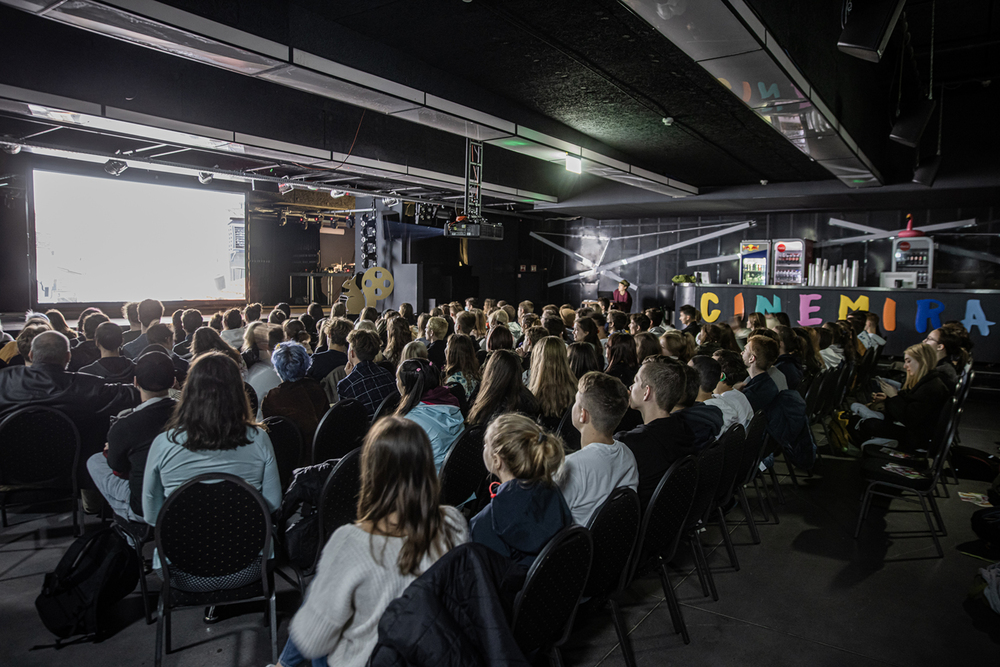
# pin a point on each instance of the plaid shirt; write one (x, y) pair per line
(368, 383)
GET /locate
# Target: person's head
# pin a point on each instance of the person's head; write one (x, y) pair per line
(618, 321)
(398, 336)
(621, 350)
(369, 313)
(760, 353)
(756, 321)
(638, 323)
(285, 308)
(583, 358)
(646, 345)
(28, 334)
(688, 314)
(605, 303)
(623, 286)
(337, 330)
(568, 316)
(49, 347)
(252, 312)
(470, 303)
(214, 411)
(734, 370)
(465, 322)
(130, 311)
(207, 339)
(294, 331)
(414, 350)
(400, 491)
(291, 361)
(406, 311)
(232, 319)
(108, 337)
(788, 341)
(499, 338)
(946, 344)
(160, 334)
(709, 372)
(551, 380)
(498, 318)
(918, 361)
(710, 334)
(191, 320)
(659, 384)
(368, 325)
(857, 320)
(553, 324)
(363, 345)
(58, 323)
(315, 311)
(83, 318)
(215, 321)
(339, 309)
(677, 344)
(727, 339)
(518, 447)
(154, 372)
(601, 402)
(511, 312)
(460, 356)
(529, 320)
(782, 319)
(586, 331)
(414, 378)
(525, 307)
(871, 324)
(148, 312)
(90, 325)
(437, 329)
(655, 316)
(276, 317)
(532, 336)
(500, 388)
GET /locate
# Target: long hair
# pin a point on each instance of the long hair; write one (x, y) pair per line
(727, 339)
(499, 338)
(398, 336)
(926, 358)
(58, 323)
(418, 376)
(551, 380)
(400, 493)
(460, 357)
(589, 327)
(583, 358)
(646, 345)
(756, 321)
(526, 449)
(250, 335)
(214, 411)
(207, 339)
(500, 388)
(811, 359)
(621, 349)
(177, 320)
(953, 350)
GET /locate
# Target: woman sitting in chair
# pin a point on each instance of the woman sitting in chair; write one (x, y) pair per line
(212, 430)
(299, 398)
(502, 390)
(401, 531)
(551, 381)
(462, 366)
(433, 407)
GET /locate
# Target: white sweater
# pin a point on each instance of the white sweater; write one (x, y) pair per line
(356, 579)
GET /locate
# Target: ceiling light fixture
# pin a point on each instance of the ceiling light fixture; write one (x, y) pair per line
(337, 194)
(115, 167)
(285, 188)
(574, 164)
(204, 177)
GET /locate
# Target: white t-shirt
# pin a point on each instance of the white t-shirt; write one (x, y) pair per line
(263, 378)
(735, 408)
(588, 477)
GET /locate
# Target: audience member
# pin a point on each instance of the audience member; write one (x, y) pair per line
(262, 377)
(829, 345)
(86, 352)
(551, 380)
(58, 323)
(689, 317)
(734, 405)
(436, 333)
(366, 381)
(335, 357)
(233, 329)
(207, 339)
(160, 336)
(432, 406)
(589, 476)
(295, 332)
(948, 350)
(587, 330)
(130, 311)
(656, 324)
(780, 381)
(149, 312)
(191, 321)
(705, 420)
(277, 316)
(583, 358)
(299, 398)
(789, 361)
(758, 356)
(462, 366)
(646, 345)
(678, 345)
(215, 321)
(111, 366)
(499, 338)
(871, 335)
(414, 350)
(638, 323)
(622, 360)
(501, 391)
(23, 343)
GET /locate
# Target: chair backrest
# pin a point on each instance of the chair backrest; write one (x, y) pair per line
(463, 469)
(752, 445)
(338, 501)
(568, 432)
(544, 609)
(710, 462)
(252, 396)
(386, 407)
(814, 392)
(944, 437)
(732, 444)
(614, 529)
(340, 430)
(663, 523)
(828, 392)
(213, 525)
(287, 442)
(39, 445)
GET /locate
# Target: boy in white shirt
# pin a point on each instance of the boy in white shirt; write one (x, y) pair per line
(734, 405)
(588, 477)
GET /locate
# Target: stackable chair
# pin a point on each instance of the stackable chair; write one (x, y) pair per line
(286, 439)
(341, 430)
(463, 470)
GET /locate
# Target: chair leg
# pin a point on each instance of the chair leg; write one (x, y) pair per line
(727, 538)
(760, 488)
(273, 617)
(676, 614)
(158, 659)
(143, 587)
(937, 515)
(777, 487)
(863, 512)
(697, 566)
(555, 657)
(741, 493)
(930, 522)
(166, 626)
(623, 639)
(700, 555)
(77, 516)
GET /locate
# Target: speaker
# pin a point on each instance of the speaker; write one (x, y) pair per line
(927, 171)
(869, 27)
(911, 124)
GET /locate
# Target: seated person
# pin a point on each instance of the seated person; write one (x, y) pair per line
(501, 391)
(366, 381)
(299, 399)
(780, 381)
(162, 335)
(702, 375)
(462, 365)
(436, 333)
(335, 356)
(589, 476)
(130, 311)
(191, 321)
(433, 407)
(399, 534)
(86, 352)
(734, 405)
(789, 361)
(262, 376)
(551, 380)
(947, 348)
(527, 508)
(233, 330)
(118, 470)
(758, 356)
(23, 343)
(149, 312)
(111, 366)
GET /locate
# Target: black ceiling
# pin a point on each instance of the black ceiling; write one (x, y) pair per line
(587, 71)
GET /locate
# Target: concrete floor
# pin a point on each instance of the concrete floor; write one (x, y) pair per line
(808, 595)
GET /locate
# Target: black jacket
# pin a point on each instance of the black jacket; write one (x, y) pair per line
(656, 446)
(129, 439)
(454, 615)
(112, 369)
(521, 519)
(919, 408)
(705, 422)
(791, 368)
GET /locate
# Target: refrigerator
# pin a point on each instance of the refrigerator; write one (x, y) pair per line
(915, 254)
(755, 257)
(791, 257)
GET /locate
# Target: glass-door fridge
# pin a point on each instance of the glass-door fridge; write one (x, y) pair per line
(755, 259)
(791, 257)
(915, 254)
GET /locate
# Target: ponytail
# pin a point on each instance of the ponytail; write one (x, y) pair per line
(418, 377)
(529, 452)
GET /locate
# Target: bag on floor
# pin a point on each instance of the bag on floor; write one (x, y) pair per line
(986, 525)
(972, 463)
(96, 571)
(840, 439)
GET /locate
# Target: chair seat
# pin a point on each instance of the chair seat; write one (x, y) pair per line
(181, 598)
(875, 472)
(916, 461)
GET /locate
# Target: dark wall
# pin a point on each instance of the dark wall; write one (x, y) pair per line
(14, 241)
(653, 276)
(273, 252)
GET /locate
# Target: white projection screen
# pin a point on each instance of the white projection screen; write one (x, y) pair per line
(106, 240)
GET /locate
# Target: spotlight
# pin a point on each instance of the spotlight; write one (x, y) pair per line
(283, 221)
(337, 194)
(574, 164)
(350, 221)
(9, 146)
(115, 167)
(204, 177)
(389, 202)
(285, 188)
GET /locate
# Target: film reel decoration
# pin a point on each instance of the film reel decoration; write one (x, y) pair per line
(365, 289)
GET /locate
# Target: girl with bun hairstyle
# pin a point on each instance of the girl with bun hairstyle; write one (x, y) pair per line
(527, 508)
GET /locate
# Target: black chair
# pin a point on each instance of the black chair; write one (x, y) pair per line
(463, 470)
(732, 444)
(614, 528)
(252, 397)
(545, 607)
(749, 462)
(39, 458)
(214, 526)
(286, 439)
(338, 501)
(340, 430)
(923, 486)
(386, 407)
(710, 464)
(663, 527)
(568, 432)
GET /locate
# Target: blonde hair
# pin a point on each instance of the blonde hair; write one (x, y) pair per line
(678, 344)
(413, 350)
(526, 449)
(552, 380)
(926, 356)
(439, 326)
(498, 317)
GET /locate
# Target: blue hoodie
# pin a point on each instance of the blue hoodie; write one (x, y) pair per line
(521, 519)
(442, 423)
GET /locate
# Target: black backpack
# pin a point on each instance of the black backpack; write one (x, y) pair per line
(95, 572)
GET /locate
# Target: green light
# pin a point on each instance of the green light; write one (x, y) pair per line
(858, 180)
